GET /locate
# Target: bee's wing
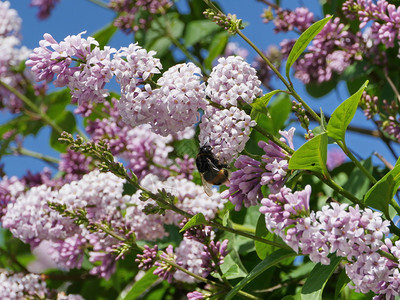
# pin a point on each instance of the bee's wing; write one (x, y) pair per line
(207, 186)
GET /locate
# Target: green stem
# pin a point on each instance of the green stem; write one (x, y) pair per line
(286, 83)
(243, 228)
(328, 181)
(32, 106)
(395, 206)
(26, 152)
(356, 162)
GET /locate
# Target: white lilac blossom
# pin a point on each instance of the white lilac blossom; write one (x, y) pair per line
(231, 81)
(10, 22)
(10, 189)
(191, 197)
(11, 57)
(31, 220)
(133, 65)
(245, 183)
(170, 108)
(226, 131)
(146, 227)
(188, 254)
(350, 232)
(22, 286)
(180, 97)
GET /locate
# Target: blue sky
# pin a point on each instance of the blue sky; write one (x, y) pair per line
(74, 16)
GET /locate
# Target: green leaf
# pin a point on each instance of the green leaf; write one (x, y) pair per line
(380, 195)
(267, 263)
(140, 286)
(303, 41)
(341, 283)
(358, 183)
(104, 35)
(67, 122)
(198, 219)
(343, 115)
(318, 90)
(260, 104)
(216, 48)
(311, 156)
(232, 267)
(317, 279)
(198, 30)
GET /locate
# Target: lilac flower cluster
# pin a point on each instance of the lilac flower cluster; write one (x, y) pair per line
(10, 189)
(213, 256)
(170, 108)
(165, 270)
(11, 56)
(299, 19)
(231, 81)
(74, 165)
(20, 286)
(147, 259)
(135, 15)
(45, 7)
(350, 232)
(100, 194)
(389, 118)
(28, 286)
(226, 131)
(382, 18)
(235, 49)
(246, 182)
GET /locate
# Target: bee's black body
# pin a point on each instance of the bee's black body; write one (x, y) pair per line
(210, 168)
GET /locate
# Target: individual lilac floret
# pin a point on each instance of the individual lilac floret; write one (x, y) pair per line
(165, 270)
(245, 183)
(195, 296)
(45, 7)
(213, 256)
(231, 81)
(226, 131)
(300, 19)
(147, 259)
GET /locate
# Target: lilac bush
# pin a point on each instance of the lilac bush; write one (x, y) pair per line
(134, 206)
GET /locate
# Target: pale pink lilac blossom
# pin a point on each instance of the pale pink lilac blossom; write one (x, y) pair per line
(232, 81)
(226, 131)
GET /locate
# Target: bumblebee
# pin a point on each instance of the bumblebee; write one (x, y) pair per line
(211, 170)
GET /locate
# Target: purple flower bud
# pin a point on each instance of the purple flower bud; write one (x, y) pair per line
(147, 259)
